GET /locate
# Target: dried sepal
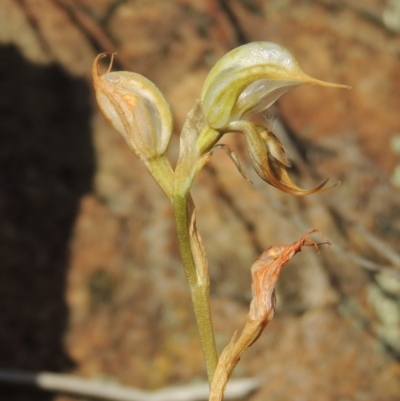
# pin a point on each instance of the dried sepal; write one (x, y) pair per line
(136, 108)
(264, 273)
(234, 157)
(275, 148)
(269, 158)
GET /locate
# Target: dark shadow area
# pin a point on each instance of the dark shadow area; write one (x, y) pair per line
(46, 165)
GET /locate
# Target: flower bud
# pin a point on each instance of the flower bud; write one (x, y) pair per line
(136, 108)
(248, 80)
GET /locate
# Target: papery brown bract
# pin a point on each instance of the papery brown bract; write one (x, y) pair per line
(264, 273)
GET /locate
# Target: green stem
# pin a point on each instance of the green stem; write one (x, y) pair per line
(207, 139)
(198, 288)
(162, 172)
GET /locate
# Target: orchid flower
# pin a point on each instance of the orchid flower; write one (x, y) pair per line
(243, 83)
(137, 109)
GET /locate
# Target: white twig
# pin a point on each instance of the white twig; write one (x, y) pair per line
(73, 385)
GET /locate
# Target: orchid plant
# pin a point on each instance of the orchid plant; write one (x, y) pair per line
(243, 84)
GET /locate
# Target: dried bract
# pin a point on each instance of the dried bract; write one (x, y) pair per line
(264, 273)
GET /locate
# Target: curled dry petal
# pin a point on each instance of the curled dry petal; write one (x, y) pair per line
(269, 159)
(234, 157)
(136, 108)
(248, 79)
(275, 148)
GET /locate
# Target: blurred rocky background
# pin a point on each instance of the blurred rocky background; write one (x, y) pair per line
(91, 280)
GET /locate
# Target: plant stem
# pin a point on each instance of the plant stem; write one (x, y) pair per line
(162, 172)
(207, 139)
(199, 289)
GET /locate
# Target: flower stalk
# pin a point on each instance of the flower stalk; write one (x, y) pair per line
(198, 278)
(190, 245)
